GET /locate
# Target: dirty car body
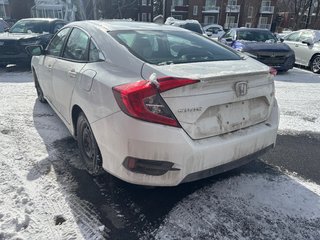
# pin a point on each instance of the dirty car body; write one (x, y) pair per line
(164, 105)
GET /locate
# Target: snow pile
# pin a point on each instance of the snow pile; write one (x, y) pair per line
(249, 206)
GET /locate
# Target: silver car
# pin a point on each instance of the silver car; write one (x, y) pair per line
(306, 46)
(156, 104)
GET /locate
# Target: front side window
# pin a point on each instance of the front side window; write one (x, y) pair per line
(172, 47)
(293, 37)
(77, 46)
(55, 46)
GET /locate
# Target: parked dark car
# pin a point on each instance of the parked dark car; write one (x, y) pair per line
(29, 31)
(261, 45)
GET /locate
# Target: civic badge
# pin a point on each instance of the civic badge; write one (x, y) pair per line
(241, 88)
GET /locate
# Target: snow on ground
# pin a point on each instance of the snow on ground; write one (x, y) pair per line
(36, 202)
(259, 206)
(298, 94)
(37, 192)
(255, 206)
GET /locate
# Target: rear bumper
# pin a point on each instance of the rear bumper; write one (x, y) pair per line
(225, 167)
(120, 136)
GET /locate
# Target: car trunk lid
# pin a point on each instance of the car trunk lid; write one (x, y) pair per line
(239, 96)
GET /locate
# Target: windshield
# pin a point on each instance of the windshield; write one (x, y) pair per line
(30, 26)
(193, 27)
(256, 36)
(173, 47)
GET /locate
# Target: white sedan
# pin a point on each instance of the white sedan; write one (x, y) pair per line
(155, 104)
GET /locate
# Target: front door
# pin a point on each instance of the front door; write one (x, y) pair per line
(67, 71)
(48, 62)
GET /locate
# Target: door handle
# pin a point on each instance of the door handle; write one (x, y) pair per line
(296, 45)
(49, 67)
(72, 73)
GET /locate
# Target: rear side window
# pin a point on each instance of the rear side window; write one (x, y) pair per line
(166, 47)
(55, 46)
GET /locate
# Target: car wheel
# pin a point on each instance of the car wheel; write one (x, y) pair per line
(315, 64)
(39, 90)
(89, 150)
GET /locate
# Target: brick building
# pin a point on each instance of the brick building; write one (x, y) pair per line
(228, 13)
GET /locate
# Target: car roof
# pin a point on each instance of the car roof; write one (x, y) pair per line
(251, 29)
(42, 19)
(114, 25)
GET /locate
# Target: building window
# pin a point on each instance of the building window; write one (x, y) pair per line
(266, 3)
(263, 20)
(149, 16)
(248, 25)
(263, 23)
(195, 10)
(232, 2)
(177, 3)
(230, 22)
(144, 17)
(209, 19)
(144, 2)
(250, 12)
(211, 3)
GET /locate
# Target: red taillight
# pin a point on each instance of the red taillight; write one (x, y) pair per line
(142, 99)
(273, 71)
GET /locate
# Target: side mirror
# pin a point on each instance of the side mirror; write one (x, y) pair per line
(281, 39)
(308, 41)
(35, 50)
(6, 29)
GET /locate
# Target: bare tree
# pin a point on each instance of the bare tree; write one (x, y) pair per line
(300, 11)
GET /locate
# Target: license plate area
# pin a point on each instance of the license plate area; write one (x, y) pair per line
(228, 117)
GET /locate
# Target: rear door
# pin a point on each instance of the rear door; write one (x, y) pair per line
(67, 70)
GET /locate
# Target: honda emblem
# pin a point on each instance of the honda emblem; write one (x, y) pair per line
(241, 88)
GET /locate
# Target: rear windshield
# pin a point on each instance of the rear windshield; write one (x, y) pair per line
(167, 47)
(256, 36)
(30, 26)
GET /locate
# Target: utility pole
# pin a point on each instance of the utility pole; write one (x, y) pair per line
(309, 13)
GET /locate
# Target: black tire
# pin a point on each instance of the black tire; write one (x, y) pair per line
(315, 64)
(39, 90)
(89, 150)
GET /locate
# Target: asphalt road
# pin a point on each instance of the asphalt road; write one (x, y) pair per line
(143, 210)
